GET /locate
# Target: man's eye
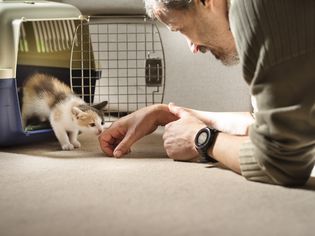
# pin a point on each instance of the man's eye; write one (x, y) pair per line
(92, 125)
(173, 29)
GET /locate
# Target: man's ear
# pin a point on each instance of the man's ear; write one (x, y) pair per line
(214, 5)
(79, 114)
(205, 3)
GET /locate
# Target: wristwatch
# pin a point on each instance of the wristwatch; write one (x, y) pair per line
(205, 139)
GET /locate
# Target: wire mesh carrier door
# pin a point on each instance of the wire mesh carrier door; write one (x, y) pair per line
(120, 60)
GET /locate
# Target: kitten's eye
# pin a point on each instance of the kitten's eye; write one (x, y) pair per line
(92, 125)
(102, 123)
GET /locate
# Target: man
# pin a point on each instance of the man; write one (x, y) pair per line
(275, 41)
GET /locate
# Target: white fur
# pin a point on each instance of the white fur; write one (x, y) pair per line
(37, 107)
(66, 127)
(41, 94)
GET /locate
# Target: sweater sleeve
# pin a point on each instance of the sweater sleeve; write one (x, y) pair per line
(274, 39)
(250, 168)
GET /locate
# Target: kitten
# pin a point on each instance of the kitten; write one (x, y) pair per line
(47, 98)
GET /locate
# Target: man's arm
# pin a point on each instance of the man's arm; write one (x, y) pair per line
(226, 150)
(123, 133)
(236, 123)
(180, 134)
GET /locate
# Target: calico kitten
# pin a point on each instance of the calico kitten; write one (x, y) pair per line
(47, 98)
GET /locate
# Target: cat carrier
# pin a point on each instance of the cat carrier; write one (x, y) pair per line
(119, 59)
(128, 55)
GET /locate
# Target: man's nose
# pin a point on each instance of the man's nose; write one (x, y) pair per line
(192, 46)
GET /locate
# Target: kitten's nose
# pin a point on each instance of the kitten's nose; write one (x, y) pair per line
(99, 131)
(193, 48)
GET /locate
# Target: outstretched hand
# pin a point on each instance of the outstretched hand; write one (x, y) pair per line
(122, 134)
(115, 141)
(182, 124)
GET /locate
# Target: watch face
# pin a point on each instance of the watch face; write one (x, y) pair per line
(202, 138)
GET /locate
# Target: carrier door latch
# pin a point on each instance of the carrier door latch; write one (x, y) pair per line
(153, 72)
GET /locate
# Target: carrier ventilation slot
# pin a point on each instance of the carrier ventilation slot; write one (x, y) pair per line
(50, 36)
(23, 44)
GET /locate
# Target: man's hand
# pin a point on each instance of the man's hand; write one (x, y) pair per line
(179, 135)
(122, 134)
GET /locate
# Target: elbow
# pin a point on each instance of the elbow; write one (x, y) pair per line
(284, 174)
(288, 181)
(276, 164)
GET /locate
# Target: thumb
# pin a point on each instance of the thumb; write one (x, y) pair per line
(123, 147)
(176, 110)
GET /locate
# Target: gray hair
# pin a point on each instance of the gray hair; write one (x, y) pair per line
(151, 5)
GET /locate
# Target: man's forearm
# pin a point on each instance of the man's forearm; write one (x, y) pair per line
(229, 122)
(226, 150)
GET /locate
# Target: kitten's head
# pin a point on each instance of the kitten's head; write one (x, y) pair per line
(89, 119)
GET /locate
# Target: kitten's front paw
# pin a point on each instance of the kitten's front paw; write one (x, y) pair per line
(67, 147)
(76, 144)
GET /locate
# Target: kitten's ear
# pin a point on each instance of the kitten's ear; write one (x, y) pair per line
(78, 112)
(100, 105)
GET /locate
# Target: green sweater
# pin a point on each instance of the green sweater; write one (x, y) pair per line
(276, 44)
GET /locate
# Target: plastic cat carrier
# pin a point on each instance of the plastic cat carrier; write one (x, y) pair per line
(127, 53)
(119, 59)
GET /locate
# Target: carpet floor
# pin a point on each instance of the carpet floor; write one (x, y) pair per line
(46, 191)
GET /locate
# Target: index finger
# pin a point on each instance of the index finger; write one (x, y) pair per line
(109, 139)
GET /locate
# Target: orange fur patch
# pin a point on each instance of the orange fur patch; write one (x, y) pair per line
(90, 118)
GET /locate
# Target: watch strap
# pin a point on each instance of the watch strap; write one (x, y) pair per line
(203, 152)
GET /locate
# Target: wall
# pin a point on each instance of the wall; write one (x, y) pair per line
(197, 81)
(200, 81)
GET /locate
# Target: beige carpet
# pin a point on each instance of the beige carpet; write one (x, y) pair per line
(45, 191)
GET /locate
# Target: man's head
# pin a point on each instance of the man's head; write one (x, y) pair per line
(204, 23)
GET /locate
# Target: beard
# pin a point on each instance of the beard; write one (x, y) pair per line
(228, 58)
